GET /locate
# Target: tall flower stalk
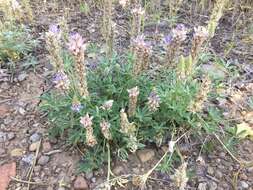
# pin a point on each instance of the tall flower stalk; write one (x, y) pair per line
(141, 53)
(133, 97)
(128, 129)
(86, 121)
(198, 104)
(200, 36)
(77, 48)
(108, 26)
(153, 101)
(173, 42)
(53, 37)
(138, 14)
(105, 128)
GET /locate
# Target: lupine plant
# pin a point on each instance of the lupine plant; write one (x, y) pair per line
(117, 104)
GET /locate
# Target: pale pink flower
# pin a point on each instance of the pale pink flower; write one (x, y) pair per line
(86, 121)
(76, 44)
(201, 32)
(133, 92)
(107, 105)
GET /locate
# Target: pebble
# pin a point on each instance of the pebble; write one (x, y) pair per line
(89, 175)
(118, 170)
(37, 168)
(43, 160)
(2, 151)
(93, 180)
(222, 155)
(145, 155)
(3, 137)
(33, 146)
(46, 146)
(3, 110)
(35, 137)
(11, 136)
(80, 183)
(212, 185)
(243, 185)
(250, 170)
(218, 174)
(8, 120)
(243, 176)
(22, 77)
(210, 170)
(21, 111)
(28, 159)
(202, 186)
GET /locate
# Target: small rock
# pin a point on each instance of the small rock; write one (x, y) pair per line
(11, 136)
(8, 120)
(43, 160)
(7, 171)
(37, 169)
(210, 170)
(89, 175)
(2, 151)
(28, 159)
(3, 137)
(22, 77)
(17, 152)
(118, 170)
(202, 186)
(46, 146)
(93, 180)
(35, 137)
(243, 176)
(222, 155)
(21, 111)
(3, 110)
(80, 183)
(250, 170)
(212, 185)
(218, 174)
(33, 146)
(243, 185)
(145, 155)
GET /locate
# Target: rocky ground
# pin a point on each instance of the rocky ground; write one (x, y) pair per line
(23, 133)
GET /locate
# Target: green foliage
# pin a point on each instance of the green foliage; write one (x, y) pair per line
(15, 42)
(110, 80)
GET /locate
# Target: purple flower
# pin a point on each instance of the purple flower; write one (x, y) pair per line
(76, 107)
(93, 66)
(180, 27)
(61, 80)
(54, 29)
(168, 39)
(60, 76)
(179, 33)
